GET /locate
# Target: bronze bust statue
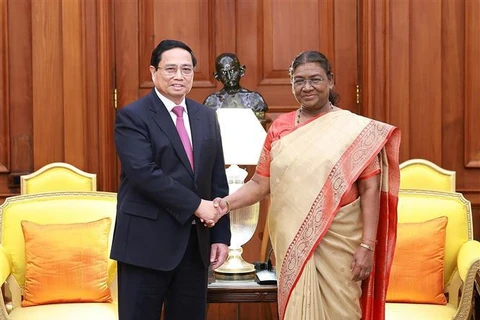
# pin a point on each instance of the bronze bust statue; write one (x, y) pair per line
(229, 71)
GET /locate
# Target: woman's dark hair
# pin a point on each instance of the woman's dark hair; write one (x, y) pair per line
(321, 59)
(165, 45)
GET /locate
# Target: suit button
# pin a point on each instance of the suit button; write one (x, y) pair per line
(195, 186)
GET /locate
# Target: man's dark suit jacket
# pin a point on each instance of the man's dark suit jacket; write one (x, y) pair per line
(159, 192)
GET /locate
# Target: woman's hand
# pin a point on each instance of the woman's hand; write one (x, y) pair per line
(362, 264)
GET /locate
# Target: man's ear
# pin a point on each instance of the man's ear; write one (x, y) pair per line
(152, 71)
(215, 75)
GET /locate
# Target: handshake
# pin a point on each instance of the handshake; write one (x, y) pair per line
(210, 211)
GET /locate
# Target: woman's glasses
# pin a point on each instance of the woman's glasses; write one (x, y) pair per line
(300, 82)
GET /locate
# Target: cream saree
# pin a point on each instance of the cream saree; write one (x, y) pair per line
(313, 238)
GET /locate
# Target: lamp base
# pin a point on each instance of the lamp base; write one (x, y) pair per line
(235, 263)
(234, 276)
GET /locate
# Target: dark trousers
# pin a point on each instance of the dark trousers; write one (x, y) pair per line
(183, 291)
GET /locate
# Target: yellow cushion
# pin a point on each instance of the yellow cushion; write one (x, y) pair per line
(417, 274)
(66, 262)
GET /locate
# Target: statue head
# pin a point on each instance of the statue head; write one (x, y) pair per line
(228, 70)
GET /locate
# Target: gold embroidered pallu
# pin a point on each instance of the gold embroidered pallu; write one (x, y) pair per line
(313, 238)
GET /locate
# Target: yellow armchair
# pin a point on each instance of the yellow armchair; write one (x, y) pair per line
(425, 175)
(462, 254)
(58, 176)
(48, 209)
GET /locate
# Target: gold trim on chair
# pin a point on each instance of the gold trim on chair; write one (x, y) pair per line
(426, 175)
(58, 176)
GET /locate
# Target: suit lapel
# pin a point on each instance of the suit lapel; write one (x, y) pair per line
(164, 121)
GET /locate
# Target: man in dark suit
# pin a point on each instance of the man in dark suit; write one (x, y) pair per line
(167, 231)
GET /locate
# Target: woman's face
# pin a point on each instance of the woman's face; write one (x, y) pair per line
(311, 86)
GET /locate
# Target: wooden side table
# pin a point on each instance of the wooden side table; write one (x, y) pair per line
(239, 291)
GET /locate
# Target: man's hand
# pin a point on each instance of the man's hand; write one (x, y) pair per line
(221, 207)
(208, 213)
(218, 255)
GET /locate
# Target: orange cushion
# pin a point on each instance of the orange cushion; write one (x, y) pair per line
(66, 262)
(417, 271)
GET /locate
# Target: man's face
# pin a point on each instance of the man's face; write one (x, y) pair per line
(229, 72)
(174, 76)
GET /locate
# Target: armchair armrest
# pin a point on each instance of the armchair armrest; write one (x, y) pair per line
(5, 266)
(468, 264)
(5, 270)
(467, 256)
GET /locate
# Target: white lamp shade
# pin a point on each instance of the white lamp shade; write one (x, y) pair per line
(242, 135)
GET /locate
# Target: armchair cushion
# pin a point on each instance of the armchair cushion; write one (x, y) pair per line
(66, 262)
(417, 274)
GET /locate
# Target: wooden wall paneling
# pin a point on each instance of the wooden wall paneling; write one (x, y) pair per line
(20, 88)
(425, 85)
(73, 67)
(472, 86)
(281, 37)
(373, 22)
(107, 178)
(99, 111)
(249, 39)
(4, 102)
(147, 40)
(126, 51)
(468, 179)
(453, 75)
(398, 72)
(344, 55)
(4, 92)
(476, 219)
(4, 192)
(47, 82)
(94, 94)
(225, 33)
(222, 311)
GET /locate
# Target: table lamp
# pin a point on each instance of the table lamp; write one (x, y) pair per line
(242, 140)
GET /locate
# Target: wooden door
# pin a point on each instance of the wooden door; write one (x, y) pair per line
(265, 35)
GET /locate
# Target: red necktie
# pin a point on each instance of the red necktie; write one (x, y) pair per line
(182, 132)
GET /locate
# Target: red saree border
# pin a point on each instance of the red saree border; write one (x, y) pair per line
(327, 203)
(374, 290)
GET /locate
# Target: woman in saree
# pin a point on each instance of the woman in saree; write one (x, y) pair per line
(333, 180)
